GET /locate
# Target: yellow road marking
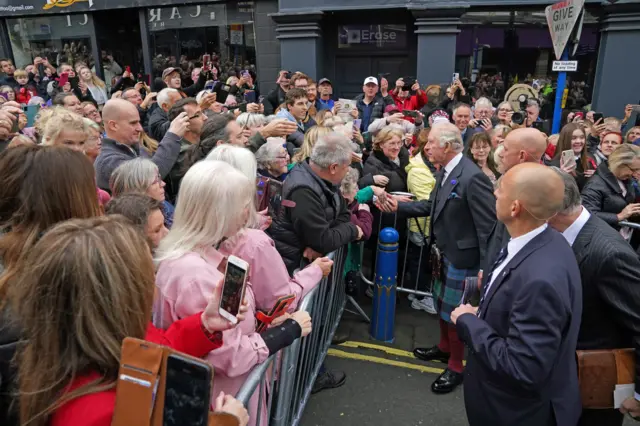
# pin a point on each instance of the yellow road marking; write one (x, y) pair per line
(377, 360)
(386, 349)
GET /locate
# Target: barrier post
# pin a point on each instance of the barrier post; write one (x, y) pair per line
(385, 280)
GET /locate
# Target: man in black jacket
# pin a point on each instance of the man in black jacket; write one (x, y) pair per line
(319, 220)
(275, 98)
(7, 69)
(463, 212)
(520, 146)
(609, 269)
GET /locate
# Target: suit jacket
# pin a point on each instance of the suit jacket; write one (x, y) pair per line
(463, 214)
(521, 368)
(602, 195)
(610, 290)
(498, 239)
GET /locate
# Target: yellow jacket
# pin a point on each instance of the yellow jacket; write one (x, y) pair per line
(420, 182)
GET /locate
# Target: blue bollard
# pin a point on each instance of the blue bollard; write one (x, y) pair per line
(384, 290)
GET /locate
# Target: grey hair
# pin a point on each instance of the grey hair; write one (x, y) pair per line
(505, 103)
(449, 134)
(533, 102)
(133, 176)
(483, 102)
(458, 106)
(572, 201)
(251, 120)
(333, 148)
(349, 184)
(240, 158)
(268, 153)
(164, 95)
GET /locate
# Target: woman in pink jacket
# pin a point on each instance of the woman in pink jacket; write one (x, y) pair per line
(214, 204)
(267, 271)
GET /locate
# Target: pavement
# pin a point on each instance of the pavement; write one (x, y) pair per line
(386, 385)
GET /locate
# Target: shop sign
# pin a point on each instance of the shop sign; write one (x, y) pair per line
(236, 34)
(163, 18)
(9, 8)
(372, 36)
(64, 3)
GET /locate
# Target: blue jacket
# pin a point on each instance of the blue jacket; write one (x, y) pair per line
(521, 368)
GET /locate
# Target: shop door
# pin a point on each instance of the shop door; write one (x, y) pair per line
(118, 33)
(351, 72)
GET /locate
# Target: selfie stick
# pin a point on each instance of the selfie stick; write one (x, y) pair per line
(384, 289)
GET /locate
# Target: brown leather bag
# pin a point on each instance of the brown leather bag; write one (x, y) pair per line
(599, 371)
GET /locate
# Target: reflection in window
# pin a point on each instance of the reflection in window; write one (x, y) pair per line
(59, 38)
(181, 35)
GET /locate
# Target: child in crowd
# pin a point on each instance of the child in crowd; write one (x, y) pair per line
(24, 91)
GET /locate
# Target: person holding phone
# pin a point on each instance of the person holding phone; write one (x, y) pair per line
(191, 269)
(276, 97)
(408, 96)
(571, 154)
(393, 117)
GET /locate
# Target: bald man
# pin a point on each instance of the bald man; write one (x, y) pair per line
(522, 338)
(520, 146)
(122, 125)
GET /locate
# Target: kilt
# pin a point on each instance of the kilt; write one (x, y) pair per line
(448, 294)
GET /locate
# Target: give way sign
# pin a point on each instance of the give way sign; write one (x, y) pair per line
(562, 18)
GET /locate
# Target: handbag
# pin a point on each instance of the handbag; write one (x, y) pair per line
(599, 371)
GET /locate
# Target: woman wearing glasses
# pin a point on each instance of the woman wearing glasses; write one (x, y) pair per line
(505, 111)
(273, 160)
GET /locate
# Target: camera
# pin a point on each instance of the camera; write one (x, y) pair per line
(519, 117)
(522, 99)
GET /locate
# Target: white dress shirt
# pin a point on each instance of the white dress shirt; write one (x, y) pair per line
(513, 247)
(571, 233)
(450, 166)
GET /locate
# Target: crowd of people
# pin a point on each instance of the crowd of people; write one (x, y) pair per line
(119, 209)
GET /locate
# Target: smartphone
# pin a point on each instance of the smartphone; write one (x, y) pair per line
(128, 69)
(209, 85)
(15, 128)
(357, 123)
(188, 392)
(597, 116)
(64, 79)
(31, 111)
(579, 114)
(261, 99)
(245, 74)
(538, 125)
(410, 113)
(568, 158)
(250, 96)
(275, 197)
(235, 281)
(456, 76)
(206, 62)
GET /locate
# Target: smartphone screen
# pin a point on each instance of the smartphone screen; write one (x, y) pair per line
(456, 76)
(275, 197)
(209, 85)
(188, 392)
(250, 96)
(357, 123)
(64, 78)
(232, 292)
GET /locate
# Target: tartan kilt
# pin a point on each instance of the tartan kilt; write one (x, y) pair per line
(447, 295)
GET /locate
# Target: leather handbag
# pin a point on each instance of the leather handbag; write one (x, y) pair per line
(599, 371)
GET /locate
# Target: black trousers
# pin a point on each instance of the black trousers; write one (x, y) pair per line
(611, 417)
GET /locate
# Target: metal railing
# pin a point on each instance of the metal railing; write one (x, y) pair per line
(405, 287)
(296, 367)
(631, 225)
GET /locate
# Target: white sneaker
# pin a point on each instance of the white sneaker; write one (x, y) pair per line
(425, 304)
(411, 297)
(369, 292)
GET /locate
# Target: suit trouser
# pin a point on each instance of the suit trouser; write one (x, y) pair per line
(611, 417)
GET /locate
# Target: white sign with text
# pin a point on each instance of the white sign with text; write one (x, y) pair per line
(565, 66)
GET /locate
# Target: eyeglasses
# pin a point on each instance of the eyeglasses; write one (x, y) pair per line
(633, 170)
(196, 115)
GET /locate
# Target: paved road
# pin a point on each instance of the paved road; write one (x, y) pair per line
(385, 384)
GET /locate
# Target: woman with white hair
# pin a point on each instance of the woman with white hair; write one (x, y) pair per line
(251, 123)
(273, 160)
(141, 176)
(267, 271)
(214, 204)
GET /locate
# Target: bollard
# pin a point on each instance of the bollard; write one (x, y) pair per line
(384, 289)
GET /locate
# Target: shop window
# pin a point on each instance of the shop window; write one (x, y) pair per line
(59, 38)
(180, 35)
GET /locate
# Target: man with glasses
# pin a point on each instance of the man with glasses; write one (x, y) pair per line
(196, 118)
(90, 111)
(145, 107)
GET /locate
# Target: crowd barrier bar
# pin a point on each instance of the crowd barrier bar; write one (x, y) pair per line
(401, 281)
(300, 362)
(631, 225)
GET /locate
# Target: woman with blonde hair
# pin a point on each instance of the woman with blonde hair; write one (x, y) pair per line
(610, 193)
(63, 127)
(632, 135)
(141, 176)
(310, 138)
(97, 87)
(68, 366)
(214, 204)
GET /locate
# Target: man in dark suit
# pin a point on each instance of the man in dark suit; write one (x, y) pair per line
(520, 146)
(522, 338)
(462, 211)
(610, 270)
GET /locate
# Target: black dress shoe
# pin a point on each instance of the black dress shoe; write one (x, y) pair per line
(431, 354)
(447, 382)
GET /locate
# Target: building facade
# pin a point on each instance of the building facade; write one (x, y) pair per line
(343, 40)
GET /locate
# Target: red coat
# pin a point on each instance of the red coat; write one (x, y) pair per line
(96, 409)
(24, 94)
(415, 102)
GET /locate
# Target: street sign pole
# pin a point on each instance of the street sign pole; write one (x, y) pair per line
(557, 109)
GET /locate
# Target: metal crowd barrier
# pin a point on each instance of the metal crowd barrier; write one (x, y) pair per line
(402, 286)
(631, 225)
(296, 367)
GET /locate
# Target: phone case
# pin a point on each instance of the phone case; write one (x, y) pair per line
(143, 361)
